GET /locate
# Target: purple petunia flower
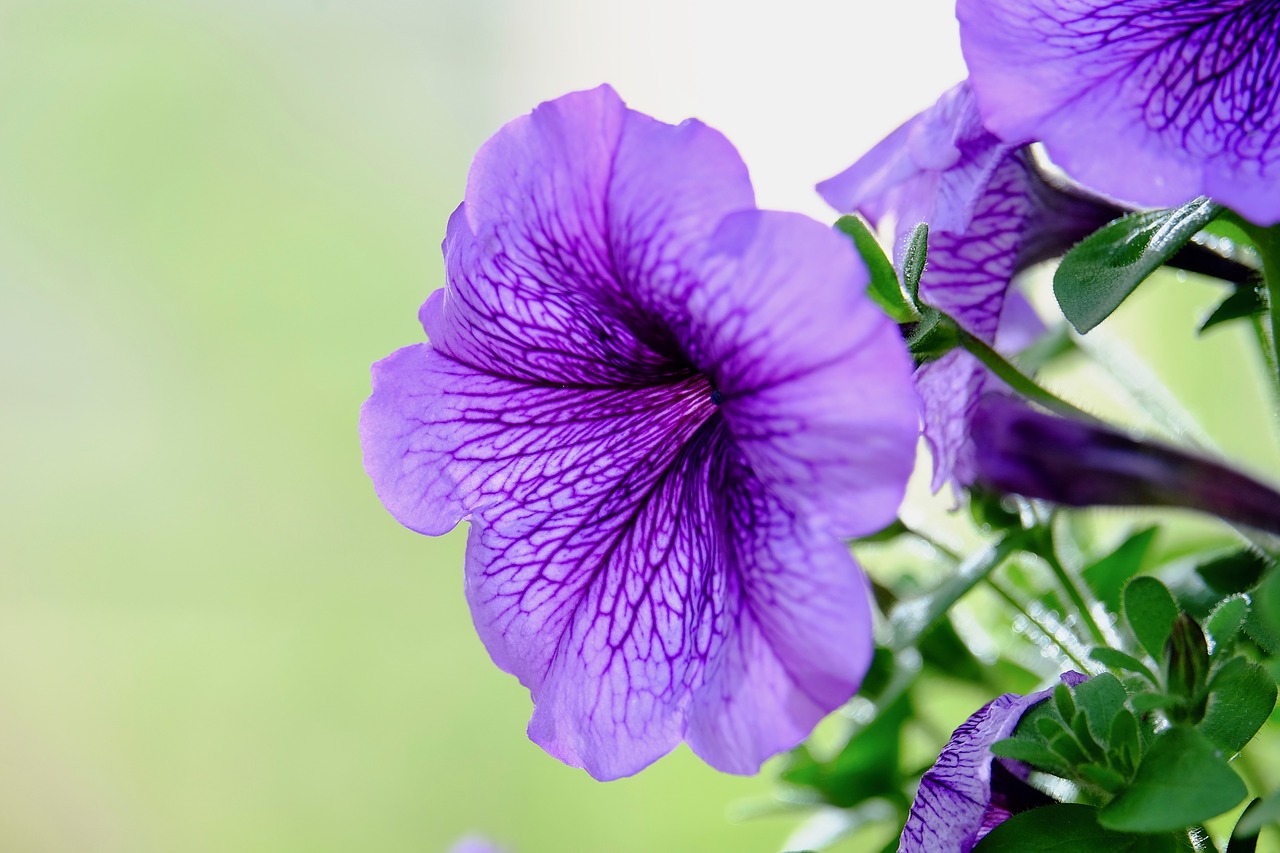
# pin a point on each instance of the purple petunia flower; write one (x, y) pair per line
(1151, 101)
(660, 409)
(967, 793)
(989, 215)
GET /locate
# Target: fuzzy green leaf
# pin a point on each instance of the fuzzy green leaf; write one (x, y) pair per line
(1104, 268)
(1183, 780)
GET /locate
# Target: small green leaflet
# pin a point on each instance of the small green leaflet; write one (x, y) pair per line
(1105, 267)
(884, 287)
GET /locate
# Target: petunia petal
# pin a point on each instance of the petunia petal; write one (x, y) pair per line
(968, 276)
(814, 381)
(953, 808)
(801, 645)
(575, 234)
(1151, 101)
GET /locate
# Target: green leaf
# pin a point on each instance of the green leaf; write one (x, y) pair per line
(1225, 621)
(1125, 741)
(1144, 703)
(1241, 302)
(1183, 780)
(1064, 702)
(1101, 698)
(1031, 752)
(1237, 571)
(1116, 659)
(1242, 696)
(1067, 828)
(913, 262)
(1101, 777)
(1069, 748)
(884, 287)
(1107, 577)
(1104, 268)
(1263, 624)
(1265, 812)
(1150, 610)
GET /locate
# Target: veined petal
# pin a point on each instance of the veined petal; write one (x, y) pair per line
(576, 236)
(957, 803)
(968, 276)
(801, 645)
(1151, 101)
(813, 379)
(932, 169)
(654, 424)
(679, 600)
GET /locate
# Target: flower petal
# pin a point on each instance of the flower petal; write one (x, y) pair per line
(1151, 101)
(576, 232)
(682, 582)
(953, 808)
(801, 645)
(815, 381)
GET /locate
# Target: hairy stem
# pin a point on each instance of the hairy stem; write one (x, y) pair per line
(1016, 379)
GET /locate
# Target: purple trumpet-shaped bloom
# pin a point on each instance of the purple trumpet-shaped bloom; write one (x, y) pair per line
(968, 792)
(660, 409)
(1151, 101)
(1037, 455)
(990, 214)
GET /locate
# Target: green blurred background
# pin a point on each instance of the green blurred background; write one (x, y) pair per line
(213, 217)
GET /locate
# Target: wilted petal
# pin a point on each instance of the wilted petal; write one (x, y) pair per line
(1151, 101)
(967, 793)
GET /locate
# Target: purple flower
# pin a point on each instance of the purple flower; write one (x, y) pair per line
(475, 844)
(1152, 101)
(967, 793)
(1068, 462)
(989, 215)
(660, 409)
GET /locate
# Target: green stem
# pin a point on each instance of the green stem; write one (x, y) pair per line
(1267, 242)
(1016, 379)
(1013, 602)
(1072, 589)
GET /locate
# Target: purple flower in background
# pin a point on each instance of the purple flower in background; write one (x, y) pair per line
(660, 409)
(1151, 101)
(476, 844)
(1078, 464)
(989, 215)
(967, 793)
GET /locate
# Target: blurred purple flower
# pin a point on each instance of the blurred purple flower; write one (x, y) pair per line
(661, 409)
(476, 844)
(1026, 452)
(990, 215)
(1151, 101)
(968, 792)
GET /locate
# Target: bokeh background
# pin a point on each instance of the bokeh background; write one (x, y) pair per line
(214, 215)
